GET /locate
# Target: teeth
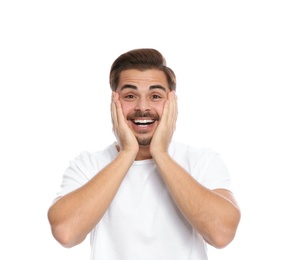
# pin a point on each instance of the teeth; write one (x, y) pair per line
(145, 121)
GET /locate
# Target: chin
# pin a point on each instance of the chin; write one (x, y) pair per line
(144, 141)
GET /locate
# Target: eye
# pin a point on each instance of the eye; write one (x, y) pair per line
(156, 97)
(129, 96)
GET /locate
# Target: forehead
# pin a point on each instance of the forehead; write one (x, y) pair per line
(144, 78)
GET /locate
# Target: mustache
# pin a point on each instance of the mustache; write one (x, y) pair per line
(137, 114)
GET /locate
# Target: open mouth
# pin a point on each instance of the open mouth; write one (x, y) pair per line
(143, 122)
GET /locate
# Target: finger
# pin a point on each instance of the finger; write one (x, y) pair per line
(175, 106)
(114, 111)
(173, 110)
(172, 105)
(167, 110)
(115, 119)
(119, 110)
(165, 114)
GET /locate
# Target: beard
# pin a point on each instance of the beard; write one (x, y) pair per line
(144, 141)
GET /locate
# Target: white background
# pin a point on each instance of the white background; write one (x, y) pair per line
(235, 65)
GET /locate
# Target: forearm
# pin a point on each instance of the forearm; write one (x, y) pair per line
(74, 215)
(211, 214)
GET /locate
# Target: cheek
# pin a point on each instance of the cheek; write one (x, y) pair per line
(127, 108)
(159, 108)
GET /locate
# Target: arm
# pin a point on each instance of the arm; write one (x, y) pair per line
(74, 215)
(212, 213)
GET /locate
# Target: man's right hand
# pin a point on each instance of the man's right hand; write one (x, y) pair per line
(124, 135)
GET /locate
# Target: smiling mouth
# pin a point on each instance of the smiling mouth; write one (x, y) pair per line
(143, 122)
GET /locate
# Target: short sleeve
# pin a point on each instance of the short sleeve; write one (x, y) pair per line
(215, 174)
(80, 170)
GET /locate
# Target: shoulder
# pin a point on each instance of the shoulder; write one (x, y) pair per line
(194, 158)
(204, 164)
(182, 150)
(95, 160)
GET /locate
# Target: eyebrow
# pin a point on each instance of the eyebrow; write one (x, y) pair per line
(150, 88)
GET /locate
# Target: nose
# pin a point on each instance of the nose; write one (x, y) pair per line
(142, 105)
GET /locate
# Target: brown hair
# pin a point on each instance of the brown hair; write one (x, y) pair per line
(141, 59)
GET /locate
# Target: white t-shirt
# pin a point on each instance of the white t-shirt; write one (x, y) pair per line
(143, 222)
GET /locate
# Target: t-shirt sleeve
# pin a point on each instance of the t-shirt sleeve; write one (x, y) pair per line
(80, 171)
(214, 173)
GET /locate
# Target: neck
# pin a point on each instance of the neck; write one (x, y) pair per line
(143, 153)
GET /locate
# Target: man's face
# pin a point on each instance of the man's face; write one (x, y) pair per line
(142, 95)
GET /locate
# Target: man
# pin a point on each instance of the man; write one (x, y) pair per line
(145, 196)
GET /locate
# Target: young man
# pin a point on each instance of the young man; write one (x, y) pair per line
(145, 196)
